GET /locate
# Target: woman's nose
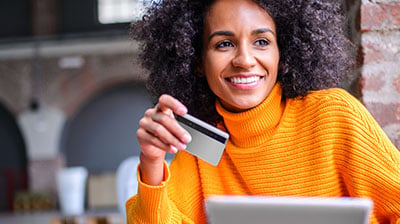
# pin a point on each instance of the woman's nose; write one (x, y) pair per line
(244, 58)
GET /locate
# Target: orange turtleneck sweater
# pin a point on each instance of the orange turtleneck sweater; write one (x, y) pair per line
(325, 144)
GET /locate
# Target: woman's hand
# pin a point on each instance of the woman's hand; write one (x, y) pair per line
(159, 133)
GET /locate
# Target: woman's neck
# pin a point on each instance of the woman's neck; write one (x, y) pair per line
(249, 128)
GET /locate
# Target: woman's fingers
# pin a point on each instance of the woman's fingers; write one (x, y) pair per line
(168, 103)
(149, 141)
(159, 130)
(164, 128)
(169, 131)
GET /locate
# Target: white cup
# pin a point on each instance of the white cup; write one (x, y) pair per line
(71, 183)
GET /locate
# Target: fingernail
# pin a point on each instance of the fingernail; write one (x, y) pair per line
(187, 138)
(174, 149)
(181, 146)
(182, 110)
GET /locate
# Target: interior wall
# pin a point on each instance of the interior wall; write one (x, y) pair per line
(103, 131)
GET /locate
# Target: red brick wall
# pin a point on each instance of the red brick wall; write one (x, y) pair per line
(380, 72)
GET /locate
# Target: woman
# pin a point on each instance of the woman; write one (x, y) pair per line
(259, 70)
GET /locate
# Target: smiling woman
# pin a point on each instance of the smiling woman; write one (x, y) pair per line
(261, 71)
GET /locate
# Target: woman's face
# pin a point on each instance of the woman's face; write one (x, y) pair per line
(240, 54)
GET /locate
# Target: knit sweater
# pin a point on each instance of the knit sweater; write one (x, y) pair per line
(325, 144)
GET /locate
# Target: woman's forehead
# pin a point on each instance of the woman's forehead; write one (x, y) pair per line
(225, 14)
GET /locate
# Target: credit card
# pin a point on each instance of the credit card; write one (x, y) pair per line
(208, 142)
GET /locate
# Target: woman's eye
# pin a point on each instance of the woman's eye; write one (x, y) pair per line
(262, 42)
(224, 44)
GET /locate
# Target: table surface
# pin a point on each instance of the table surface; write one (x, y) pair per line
(55, 217)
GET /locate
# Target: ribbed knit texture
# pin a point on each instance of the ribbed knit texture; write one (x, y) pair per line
(325, 144)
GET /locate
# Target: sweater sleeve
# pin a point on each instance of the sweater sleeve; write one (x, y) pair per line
(167, 203)
(370, 164)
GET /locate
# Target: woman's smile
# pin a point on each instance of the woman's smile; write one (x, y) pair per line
(245, 82)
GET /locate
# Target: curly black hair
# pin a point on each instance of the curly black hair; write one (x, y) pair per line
(312, 44)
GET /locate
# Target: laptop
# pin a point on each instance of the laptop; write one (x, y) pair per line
(287, 210)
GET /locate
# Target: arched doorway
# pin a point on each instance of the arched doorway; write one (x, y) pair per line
(103, 132)
(13, 159)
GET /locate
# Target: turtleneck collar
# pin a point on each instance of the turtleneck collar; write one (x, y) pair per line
(250, 128)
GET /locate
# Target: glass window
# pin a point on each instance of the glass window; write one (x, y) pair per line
(120, 11)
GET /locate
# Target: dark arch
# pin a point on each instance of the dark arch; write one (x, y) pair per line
(102, 133)
(13, 159)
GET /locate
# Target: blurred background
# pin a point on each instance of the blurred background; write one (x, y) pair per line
(72, 93)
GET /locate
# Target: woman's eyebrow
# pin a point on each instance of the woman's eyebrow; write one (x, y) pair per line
(262, 30)
(220, 33)
(230, 33)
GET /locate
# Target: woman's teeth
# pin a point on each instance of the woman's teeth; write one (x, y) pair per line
(244, 80)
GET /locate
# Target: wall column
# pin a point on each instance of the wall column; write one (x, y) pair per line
(44, 17)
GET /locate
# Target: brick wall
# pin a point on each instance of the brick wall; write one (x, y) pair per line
(65, 74)
(380, 72)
